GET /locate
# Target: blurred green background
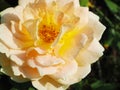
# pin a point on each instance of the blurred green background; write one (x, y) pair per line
(105, 74)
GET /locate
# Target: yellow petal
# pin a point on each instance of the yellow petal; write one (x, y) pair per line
(32, 27)
(70, 44)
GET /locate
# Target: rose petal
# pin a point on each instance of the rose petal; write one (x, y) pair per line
(3, 48)
(5, 63)
(90, 54)
(95, 25)
(82, 13)
(68, 8)
(6, 37)
(80, 74)
(34, 10)
(29, 72)
(65, 71)
(48, 60)
(32, 27)
(62, 3)
(47, 83)
(70, 44)
(23, 3)
(11, 14)
(41, 69)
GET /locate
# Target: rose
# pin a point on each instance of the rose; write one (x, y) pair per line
(51, 43)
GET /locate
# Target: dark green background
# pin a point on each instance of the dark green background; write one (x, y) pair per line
(105, 74)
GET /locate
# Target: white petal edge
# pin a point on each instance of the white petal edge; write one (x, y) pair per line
(96, 26)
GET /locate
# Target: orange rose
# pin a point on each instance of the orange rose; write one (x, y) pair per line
(52, 43)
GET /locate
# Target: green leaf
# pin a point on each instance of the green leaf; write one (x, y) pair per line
(31, 88)
(96, 84)
(118, 45)
(13, 89)
(84, 2)
(113, 7)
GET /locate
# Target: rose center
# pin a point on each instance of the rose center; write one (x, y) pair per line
(48, 33)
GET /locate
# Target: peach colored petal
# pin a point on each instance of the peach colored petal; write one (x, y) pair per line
(68, 8)
(47, 83)
(23, 3)
(46, 70)
(65, 71)
(64, 2)
(29, 72)
(95, 25)
(48, 60)
(82, 13)
(6, 68)
(34, 52)
(90, 54)
(79, 75)
(3, 48)
(15, 69)
(34, 10)
(16, 59)
(11, 14)
(41, 69)
(6, 37)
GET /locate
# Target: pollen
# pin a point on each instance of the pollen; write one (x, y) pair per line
(48, 33)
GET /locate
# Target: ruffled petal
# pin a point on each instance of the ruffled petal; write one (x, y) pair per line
(7, 69)
(90, 54)
(95, 25)
(82, 72)
(70, 44)
(23, 3)
(62, 3)
(12, 14)
(42, 69)
(65, 71)
(48, 60)
(3, 48)
(6, 37)
(47, 83)
(32, 27)
(82, 13)
(29, 72)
